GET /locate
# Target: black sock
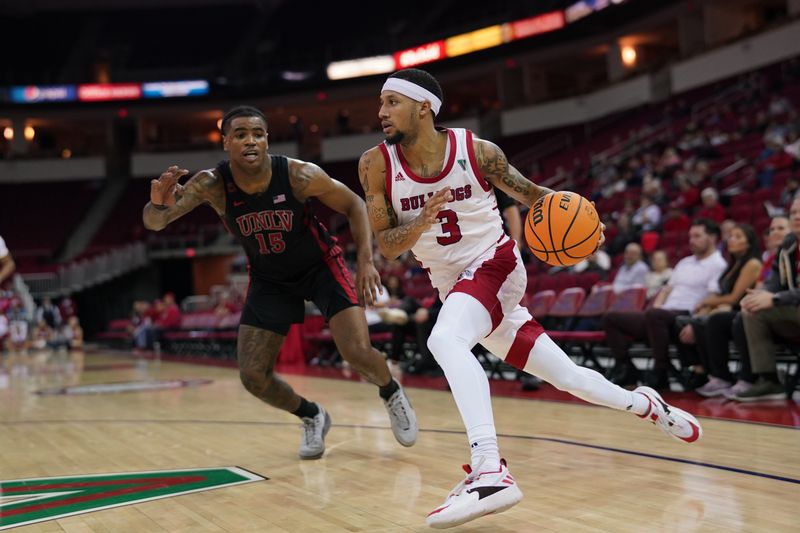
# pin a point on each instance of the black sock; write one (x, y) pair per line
(772, 377)
(307, 409)
(387, 390)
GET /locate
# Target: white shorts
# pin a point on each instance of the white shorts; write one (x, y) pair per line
(498, 280)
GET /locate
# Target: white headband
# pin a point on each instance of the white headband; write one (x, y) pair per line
(413, 91)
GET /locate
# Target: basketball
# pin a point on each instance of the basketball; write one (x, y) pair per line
(562, 228)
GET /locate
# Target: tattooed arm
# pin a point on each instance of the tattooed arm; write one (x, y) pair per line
(169, 200)
(308, 180)
(496, 169)
(393, 238)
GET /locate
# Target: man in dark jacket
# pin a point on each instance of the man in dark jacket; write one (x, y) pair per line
(772, 312)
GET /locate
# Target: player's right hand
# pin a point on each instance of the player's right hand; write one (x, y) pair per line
(433, 205)
(163, 190)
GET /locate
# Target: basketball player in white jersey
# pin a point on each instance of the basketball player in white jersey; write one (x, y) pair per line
(431, 191)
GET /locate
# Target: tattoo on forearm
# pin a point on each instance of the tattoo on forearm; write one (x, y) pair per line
(493, 164)
(402, 235)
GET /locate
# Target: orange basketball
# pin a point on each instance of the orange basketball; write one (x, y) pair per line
(562, 228)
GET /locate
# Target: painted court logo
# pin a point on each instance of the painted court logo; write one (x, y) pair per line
(27, 501)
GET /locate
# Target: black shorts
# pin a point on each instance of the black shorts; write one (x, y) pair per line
(275, 306)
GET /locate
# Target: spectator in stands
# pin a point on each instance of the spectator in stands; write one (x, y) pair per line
(725, 231)
(777, 232)
(67, 308)
(648, 216)
(225, 305)
(625, 234)
(771, 313)
(74, 333)
(141, 326)
(711, 208)
(7, 264)
(170, 314)
(687, 286)
(711, 325)
(375, 321)
(633, 271)
(425, 318)
(599, 262)
(659, 273)
(790, 191)
(676, 220)
(48, 313)
(689, 193)
(779, 106)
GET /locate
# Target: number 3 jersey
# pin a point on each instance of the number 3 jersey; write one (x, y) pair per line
(468, 226)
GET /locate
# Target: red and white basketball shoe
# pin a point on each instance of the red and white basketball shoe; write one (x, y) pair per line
(675, 422)
(480, 493)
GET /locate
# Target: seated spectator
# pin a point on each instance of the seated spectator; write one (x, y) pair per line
(711, 325)
(141, 326)
(676, 220)
(725, 231)
(625, 234)
(711, 208)
(169, 315)
(688, 193)
(790, 191)
(599, 262)
(648, 216)
(225, 305)
(771, 313)
(49, 313)
(375, 322)
(777, 232)
(659, 273)
(633, 271)
(425, 318)
(687, 286)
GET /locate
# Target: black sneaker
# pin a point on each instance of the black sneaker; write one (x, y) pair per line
(626, 375)
(657, 379)
(762, 390)
(695, 380)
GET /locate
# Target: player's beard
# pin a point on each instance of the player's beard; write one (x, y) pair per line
(397, 138)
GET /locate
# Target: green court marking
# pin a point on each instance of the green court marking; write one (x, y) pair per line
(26, 501)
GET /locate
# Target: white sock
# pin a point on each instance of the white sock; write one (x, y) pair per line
(550, 363)
(461, 323)
(483, 445)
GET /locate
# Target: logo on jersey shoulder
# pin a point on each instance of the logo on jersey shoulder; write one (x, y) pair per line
(463, 164)
(412, 203)
(268, 220)
(467, 274)
(399, 177)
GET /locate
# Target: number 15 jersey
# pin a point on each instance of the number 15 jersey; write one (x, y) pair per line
(468, 226)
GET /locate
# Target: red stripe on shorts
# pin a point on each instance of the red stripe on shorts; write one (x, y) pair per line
(523, 344)
(488, 279)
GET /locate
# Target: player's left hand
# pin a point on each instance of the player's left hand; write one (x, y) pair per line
(368, 283)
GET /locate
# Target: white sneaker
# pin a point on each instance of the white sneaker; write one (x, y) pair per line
(675, 422)
(402, 417)
(312, 445)
(480, 493)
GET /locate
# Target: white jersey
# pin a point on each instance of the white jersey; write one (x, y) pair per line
(470, 224)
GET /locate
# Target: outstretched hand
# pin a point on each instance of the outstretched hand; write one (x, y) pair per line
(166, 189)
(433, 205)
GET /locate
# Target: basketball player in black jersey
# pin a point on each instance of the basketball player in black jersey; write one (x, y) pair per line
(262, 200)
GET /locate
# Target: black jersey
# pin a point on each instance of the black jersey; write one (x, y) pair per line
(281, 236)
